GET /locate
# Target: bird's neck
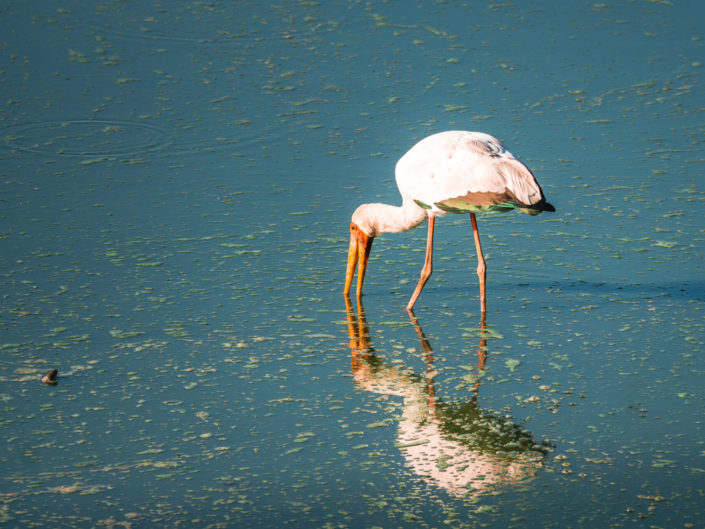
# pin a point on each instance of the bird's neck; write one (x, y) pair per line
(375, 219)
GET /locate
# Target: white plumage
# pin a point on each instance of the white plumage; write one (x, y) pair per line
(450, 172)
(455, 164)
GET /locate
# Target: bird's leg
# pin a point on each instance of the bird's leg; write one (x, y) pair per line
(481, 268)
(428, 263)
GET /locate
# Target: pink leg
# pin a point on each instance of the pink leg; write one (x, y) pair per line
(481, 268)
(428, 264)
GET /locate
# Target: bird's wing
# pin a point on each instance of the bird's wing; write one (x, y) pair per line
(520, 181)
(465, 171)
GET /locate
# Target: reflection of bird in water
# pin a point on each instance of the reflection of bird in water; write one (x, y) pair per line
(450, 172)
(457, 446)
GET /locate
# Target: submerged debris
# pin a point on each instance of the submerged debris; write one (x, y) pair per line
(50, 378)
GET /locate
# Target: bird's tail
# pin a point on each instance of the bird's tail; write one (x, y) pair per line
(535, 209)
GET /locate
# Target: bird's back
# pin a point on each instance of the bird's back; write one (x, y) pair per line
(461, 171)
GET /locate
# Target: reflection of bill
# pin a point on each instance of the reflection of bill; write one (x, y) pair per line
(455, 446)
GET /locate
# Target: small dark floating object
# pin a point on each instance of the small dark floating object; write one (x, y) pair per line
(50, 377)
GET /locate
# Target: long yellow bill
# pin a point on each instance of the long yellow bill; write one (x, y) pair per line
(358, 255)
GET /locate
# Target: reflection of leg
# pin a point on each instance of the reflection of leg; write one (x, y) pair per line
(428, 264)
(358, 333)
(428, 359)
(353, 335)
(481, 355)
(482, 348)
(481, 268)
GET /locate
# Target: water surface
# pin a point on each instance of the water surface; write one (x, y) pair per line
(176, 186)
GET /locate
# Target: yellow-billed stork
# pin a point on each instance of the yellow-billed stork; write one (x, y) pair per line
(449, 172)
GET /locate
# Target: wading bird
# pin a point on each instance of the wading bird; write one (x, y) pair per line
(449, 172)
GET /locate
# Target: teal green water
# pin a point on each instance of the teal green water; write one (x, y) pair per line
(176, 184)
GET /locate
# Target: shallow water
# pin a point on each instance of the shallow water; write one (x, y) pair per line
(176, 185)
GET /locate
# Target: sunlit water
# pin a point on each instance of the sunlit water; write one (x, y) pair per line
(176, 185)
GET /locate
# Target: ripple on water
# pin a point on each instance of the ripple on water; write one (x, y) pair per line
(85, 138)
(192, 24)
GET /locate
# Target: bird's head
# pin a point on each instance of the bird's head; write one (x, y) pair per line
(367, 219)
(358, 255)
